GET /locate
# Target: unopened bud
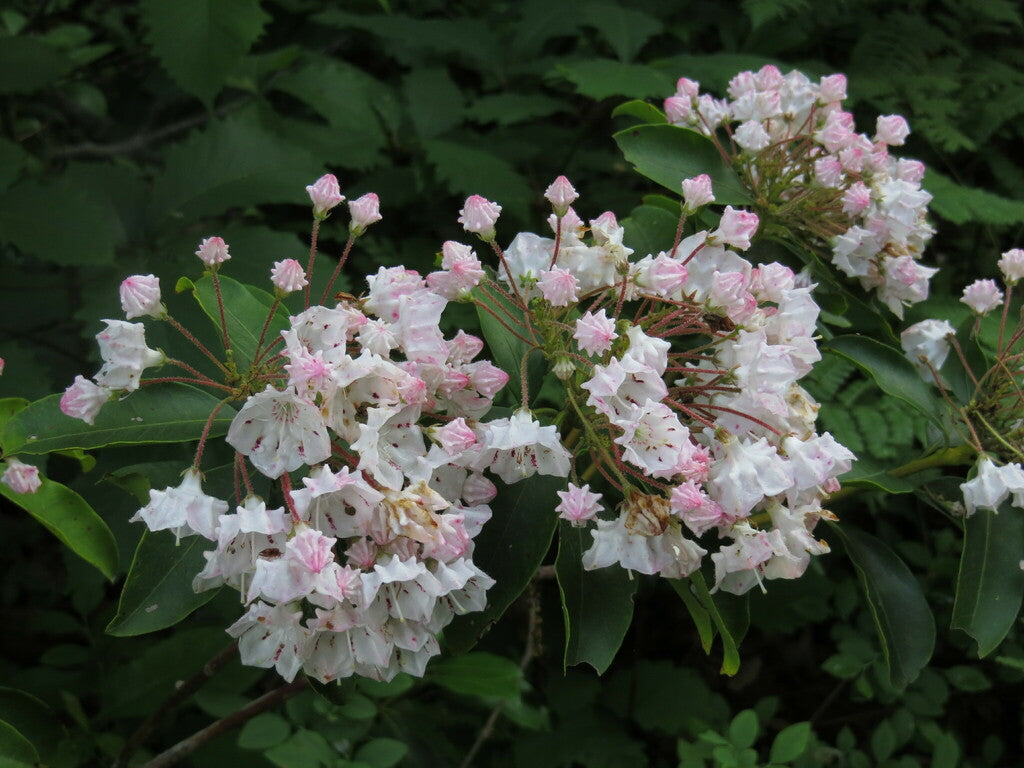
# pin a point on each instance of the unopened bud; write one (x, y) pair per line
(479, 215)
(288, 276)
(564, 368)
(213, 251)
(325, 195)
(561, 195)
(364, 211)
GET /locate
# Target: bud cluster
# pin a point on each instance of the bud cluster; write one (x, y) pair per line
(816, 179)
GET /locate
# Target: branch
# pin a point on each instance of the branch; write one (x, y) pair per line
(181, 693)
(235, 719)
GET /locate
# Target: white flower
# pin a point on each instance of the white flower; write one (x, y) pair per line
(991, 486)
(518, 447)
(184, 509)
(926, 345)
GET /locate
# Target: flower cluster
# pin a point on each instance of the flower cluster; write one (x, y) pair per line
(809, 170)
(680, 371)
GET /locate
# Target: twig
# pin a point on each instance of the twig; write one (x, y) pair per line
(180, 693)
(262, 704)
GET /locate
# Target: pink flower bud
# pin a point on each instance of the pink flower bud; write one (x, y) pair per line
(1, 366)
(856, 199)
(892, 129)
(325, 195)
(288, 276)
(982, 296)
(687, 88)
(832, 88)
(364, 211)
(578, 505)
(910, 170)
(1011, 265)
(595, 332)
(736, 228)
(678, 110)
(559, 286)
(21, 478)
(479, 215)
(561, 195)
(488, 379)
(828, 172)
(311, 549)
(456, 436)
(83, 400)
(213, 251)
(140, 296)
(697, 192)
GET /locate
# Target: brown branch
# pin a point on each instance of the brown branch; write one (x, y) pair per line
(180, 693)
(199, 738)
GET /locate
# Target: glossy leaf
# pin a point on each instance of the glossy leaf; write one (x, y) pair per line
(245, 311)
(791, 742)
(507, 350)
(698, 590)
(200, 42)
(158, 591)
(32, 718)
(903, 620)
(509, 549)
(699, 614)
(15, 750)
(642, 110)
(9, 406)
(891, 371)
(990, 584)
(162, 413)
(597, 606)
(667, 154)
(70, 518)
(477, 674)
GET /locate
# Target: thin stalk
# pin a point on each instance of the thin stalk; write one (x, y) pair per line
(312, 258)
(206, 432)
(338, 267)
(198, 344)
(220, 310)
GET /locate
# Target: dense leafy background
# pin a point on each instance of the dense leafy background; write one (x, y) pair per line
(130, 131)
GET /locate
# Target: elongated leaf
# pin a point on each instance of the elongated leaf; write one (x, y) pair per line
(507, 350)
(245, 311)
(990, 584)
(70, 518)
(200, 42)
(478, 674)
(158, 592)
(905, 625)
(161, 413)
(509, 549)
(667, 154)
(597, 605)
(699, 614)
(891, 371)
(32, 718)
(867, 473)
(730, 645)
(15, 749)
(643, 111)
(9, 406)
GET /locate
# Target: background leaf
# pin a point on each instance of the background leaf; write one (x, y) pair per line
(245, 311)
(601, 78)
(478, 674)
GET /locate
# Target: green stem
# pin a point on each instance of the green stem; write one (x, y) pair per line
(947, 457)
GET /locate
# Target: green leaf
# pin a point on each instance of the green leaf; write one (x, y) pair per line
(871, 474)
(903, 620)
(85, 229)
(701, 618)
(643, 111)
(12, 160)
(264, 731)
(382, 753)
(435, 102)
(70, 518)
(511, 108)
(960, 204)
(791, 742)
(233, 163)
(970, 679)
(158, 591)
(28, 64)
(990, 583)
(245, 311)
(743, 729)
(650, 229)
(9, 406)
(15, 749)
(625, 29)
(597, 605)
(32, 719)
(470, 171)
(699, 590)
(477, 674)
(509, 549)
(200, 42)
(162, 413)
(601, 78)
(306, 749)
(891, 371)
(667, 154)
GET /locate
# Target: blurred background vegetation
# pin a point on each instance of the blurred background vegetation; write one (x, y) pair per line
(129, 131)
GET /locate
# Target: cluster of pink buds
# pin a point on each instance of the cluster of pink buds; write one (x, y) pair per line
(842, 187)
(680, 372)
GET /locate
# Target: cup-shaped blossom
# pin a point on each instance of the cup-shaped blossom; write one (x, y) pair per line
(21, 477)
(991, 485)
(752, 136)
(325, 194)
(982, 296)
(519, 447)
(279, 432)
(288, 276)
(736, 228)
(926, 345)
(213, 251)
(125, 355)
(697, 192)
(364, 211)
(184, 509)
(561, 195)
(83, 399)
(1011, 264)
(140, 297)
(479, 215)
